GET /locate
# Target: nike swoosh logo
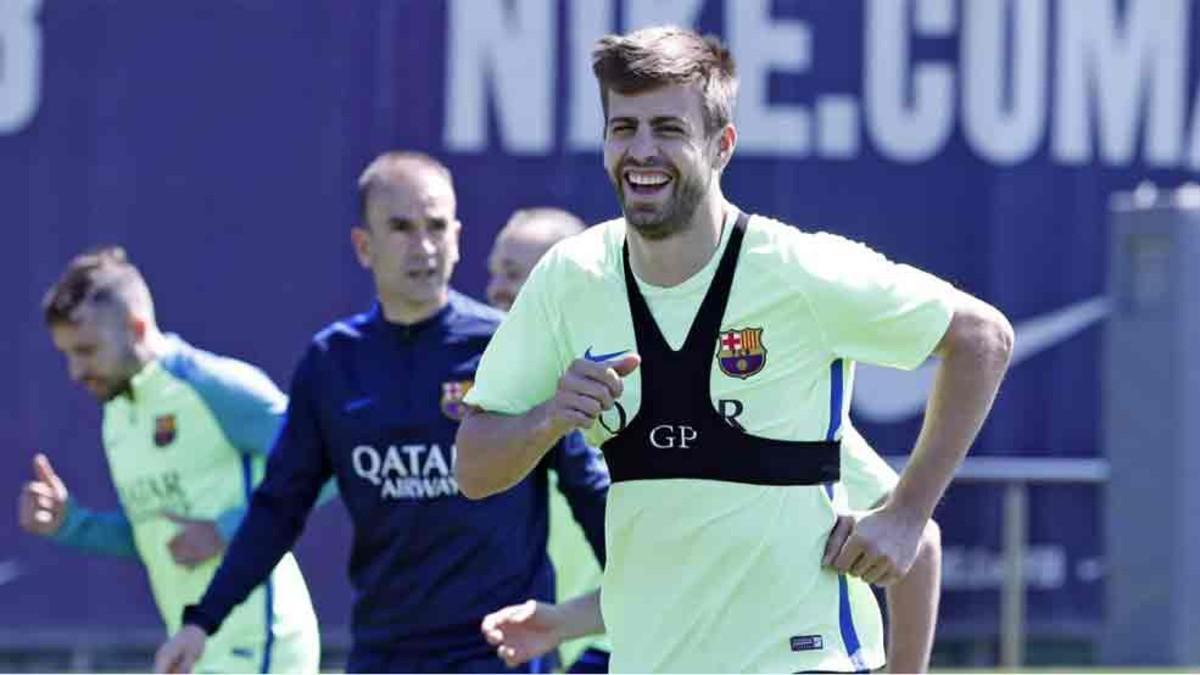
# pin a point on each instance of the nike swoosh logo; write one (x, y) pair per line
(357, 404)
(884, 395)
(600, 358)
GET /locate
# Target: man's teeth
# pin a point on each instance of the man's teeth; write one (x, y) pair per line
(648, 179)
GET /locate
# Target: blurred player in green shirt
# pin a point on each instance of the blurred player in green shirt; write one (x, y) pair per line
(186, 434)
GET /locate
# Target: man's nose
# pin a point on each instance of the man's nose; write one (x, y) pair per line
(642, 147)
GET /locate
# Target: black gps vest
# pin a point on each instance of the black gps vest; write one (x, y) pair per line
(676, 432)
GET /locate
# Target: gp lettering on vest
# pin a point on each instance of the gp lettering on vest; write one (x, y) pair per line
(665, 436)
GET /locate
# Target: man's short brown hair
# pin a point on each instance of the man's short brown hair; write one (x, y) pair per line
(102, 275)
(654, 57)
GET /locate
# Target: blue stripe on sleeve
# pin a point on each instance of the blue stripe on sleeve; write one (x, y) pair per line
(104, 532)
(246, 403)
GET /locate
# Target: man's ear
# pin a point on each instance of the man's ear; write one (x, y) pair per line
(360, 240)
(138, 326)
(726, 142)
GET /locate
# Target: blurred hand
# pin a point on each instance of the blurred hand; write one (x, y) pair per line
(180, 653)
(878, 547)
(587, 389)
(523, 632)
(197, 541)
(42, 506)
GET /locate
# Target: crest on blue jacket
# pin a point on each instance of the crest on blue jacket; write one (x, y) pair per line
(740, 352)
(164, 430)
(452, 396)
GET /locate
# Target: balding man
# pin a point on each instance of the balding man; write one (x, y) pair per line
(376, 402)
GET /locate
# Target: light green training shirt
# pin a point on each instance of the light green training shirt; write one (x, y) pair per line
(708, 575)
(190, 438)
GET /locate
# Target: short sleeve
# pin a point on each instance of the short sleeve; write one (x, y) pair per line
(522, 363)
(871, 309)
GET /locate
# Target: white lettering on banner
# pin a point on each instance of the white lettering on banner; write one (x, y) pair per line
(1067, 81)
(1131, 67)
(645, 13)
(588, 21)
(1005, 128)
(910, 108)
(502, 52)
(20, 63)
(762, 45)
(410, 471)
(977, 569)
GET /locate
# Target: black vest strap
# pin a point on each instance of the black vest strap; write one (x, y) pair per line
(676, 432)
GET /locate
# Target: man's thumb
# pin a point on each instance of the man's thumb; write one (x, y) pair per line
(43, 471)
(626, 364)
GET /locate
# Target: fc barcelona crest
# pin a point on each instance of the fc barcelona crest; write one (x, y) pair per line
(740, 352)
(452, 396)
(164, 430)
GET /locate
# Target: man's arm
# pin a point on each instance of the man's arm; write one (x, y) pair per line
(975, 350)
(530, 629)
(496, 451)
(912, 601)
(103, 532)
(45, 508)
(913, 607)
(583, 479)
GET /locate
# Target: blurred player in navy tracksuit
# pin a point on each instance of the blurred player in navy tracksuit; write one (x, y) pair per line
(375, 403)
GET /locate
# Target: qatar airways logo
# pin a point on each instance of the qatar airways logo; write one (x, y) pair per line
(412, 471)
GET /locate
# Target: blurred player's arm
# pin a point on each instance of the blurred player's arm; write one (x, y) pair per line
(46, 508)
(104, 532)
(583, 479)
(912, 602)
(532, 628)
(913, 606)
(296, 471)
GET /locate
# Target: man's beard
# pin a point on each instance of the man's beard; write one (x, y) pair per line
(675, 216)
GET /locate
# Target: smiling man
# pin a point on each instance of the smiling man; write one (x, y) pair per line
(721, 399)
